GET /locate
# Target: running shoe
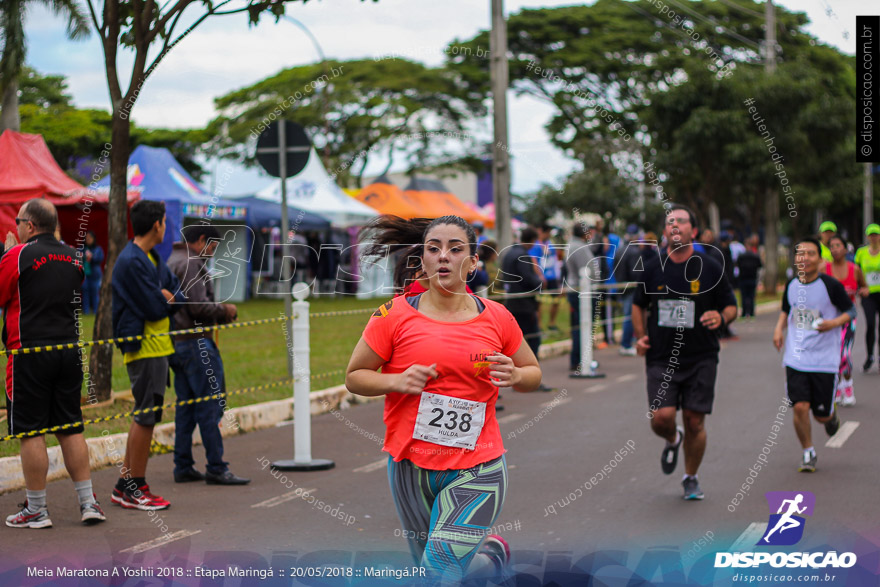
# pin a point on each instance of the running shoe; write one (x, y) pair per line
(28, 519)
(692, 489)
(868, 362)
(497, 549)
(91, 512)
(849, 398)
(669, 457)
(832, 425)
(140, 499)
(808, 463)
(627, 352)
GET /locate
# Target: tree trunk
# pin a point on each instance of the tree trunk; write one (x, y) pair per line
(9, 115)
(771, 240)
(101, 362)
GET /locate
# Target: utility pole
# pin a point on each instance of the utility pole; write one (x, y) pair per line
(771, 202)
(500, 155)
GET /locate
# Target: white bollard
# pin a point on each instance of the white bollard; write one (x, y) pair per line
(585, 296)
(302, 407)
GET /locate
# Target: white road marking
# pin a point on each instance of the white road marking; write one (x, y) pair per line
(278, 500)
(595, 388)
(375, 466)
(161, 540)
(749, 538)
(511, 418)
(556, 402)
(284, 423)
(627, 377)
(846, 430)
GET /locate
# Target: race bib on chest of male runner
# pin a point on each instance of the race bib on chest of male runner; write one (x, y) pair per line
(449, 421)
(806, 317)
(873, 278)
(676, 313)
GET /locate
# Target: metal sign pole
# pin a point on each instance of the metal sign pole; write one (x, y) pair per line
(296, 342)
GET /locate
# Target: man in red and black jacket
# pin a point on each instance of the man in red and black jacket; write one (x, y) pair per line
(40, 284)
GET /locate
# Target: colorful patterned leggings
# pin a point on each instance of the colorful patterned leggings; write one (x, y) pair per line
(847, 339)
(446, 514)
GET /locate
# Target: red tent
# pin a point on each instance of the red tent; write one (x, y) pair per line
(28, 170)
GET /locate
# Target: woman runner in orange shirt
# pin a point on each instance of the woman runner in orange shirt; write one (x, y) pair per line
(444, 354)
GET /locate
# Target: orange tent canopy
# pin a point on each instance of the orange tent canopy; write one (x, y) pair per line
(434, 197)
(387, 198)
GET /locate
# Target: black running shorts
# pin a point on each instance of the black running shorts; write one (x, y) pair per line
(148, 377)
(688, 388)
(816, 388)
(44, 390)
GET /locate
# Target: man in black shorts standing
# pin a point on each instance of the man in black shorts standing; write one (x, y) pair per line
(40, 284)
(684, 302)
(142, 305)
(814, 308)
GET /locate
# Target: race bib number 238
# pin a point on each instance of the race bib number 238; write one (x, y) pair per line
(449, 421)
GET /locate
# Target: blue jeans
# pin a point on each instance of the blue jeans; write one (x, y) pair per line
(198, 372)
(626, 340)
(90, 289)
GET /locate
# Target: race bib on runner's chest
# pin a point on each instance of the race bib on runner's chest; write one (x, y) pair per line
(675, 313)
(449, 421)
(873, 278)
(806, 317)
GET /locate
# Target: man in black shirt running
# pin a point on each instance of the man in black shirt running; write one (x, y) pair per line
(684, 302)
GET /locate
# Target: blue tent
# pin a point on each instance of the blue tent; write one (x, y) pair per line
(266, 214)
(156, 174)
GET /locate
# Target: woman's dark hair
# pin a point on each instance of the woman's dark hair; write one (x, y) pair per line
(837, 236)
(488, 249)
(406, 238)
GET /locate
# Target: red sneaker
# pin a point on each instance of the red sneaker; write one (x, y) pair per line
(140, 499)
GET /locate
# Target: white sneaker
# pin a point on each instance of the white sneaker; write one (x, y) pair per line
(627, 352)
(848, 400)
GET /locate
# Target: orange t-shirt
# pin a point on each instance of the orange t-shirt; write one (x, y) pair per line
(403, 336)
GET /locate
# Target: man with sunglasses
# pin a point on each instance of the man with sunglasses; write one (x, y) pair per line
(677, 316)
(40, 283)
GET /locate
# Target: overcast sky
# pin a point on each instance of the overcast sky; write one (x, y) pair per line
(224, 54)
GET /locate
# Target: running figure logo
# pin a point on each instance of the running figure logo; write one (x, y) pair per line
(786, 526)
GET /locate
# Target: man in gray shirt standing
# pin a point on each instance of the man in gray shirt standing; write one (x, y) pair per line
(198, 368)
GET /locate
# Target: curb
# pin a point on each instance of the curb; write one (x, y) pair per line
(109, 450)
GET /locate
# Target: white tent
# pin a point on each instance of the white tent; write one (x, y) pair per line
(313, 190)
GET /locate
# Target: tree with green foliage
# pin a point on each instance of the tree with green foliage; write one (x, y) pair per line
(354, 111)
(149, 30)
(668, 75)
(797, 141)
(73, 135)
(12, 62)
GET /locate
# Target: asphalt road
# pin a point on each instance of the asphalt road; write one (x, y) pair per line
(557, 444)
